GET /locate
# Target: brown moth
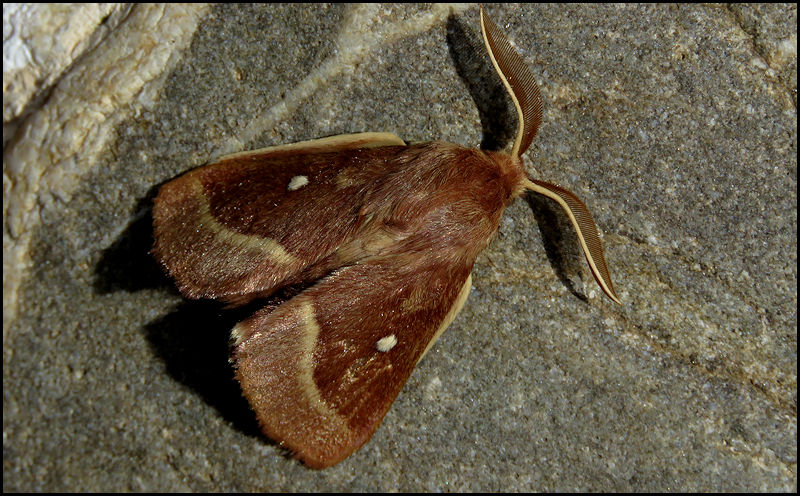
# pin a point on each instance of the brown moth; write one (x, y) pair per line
(380, 235)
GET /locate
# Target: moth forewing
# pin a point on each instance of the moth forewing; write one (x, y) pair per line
(212, 225)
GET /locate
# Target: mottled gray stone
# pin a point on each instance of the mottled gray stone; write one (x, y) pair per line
(677, 125)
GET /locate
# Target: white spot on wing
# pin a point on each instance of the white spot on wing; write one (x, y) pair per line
(297, 182)
(387, 343)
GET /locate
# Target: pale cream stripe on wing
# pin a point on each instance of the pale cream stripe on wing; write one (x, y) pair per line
(267, 245)
(305, 377)
(451, 315)
(355, 140)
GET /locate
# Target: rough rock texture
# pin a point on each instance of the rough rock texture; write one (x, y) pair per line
(676, 125)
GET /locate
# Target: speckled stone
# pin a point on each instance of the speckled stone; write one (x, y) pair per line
(677, 126)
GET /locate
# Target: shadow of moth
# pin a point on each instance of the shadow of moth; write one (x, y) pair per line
(381, 236)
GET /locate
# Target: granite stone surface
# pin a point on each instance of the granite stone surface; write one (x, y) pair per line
(677, 126)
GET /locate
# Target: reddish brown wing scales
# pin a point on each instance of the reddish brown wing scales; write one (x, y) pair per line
(322, 369)
(238, 229)
(241, 227)
(390, 234)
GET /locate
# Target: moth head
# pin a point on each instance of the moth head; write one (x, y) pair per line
(524, 91)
